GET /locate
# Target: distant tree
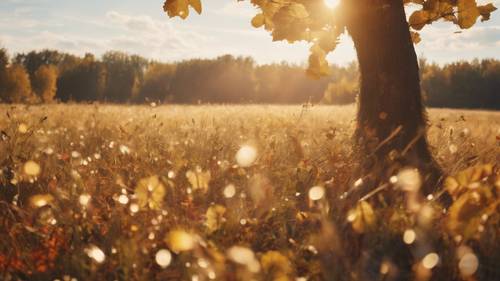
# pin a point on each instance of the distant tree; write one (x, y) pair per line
(45, 82)
(84, 81)
(223, 80)
(15, 86)
(462, 84)
(157, 83)
(286, 84)
(125, 73)
(4, 59)
(33, 60)
(341, 92)
(391, 117)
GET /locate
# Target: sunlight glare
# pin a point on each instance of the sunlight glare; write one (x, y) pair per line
(229, 191)
(96, 254)
(332, 3)
(244, 256)
(409, 236)
(430, 260)
(84, 199)
(163, 258)
(31, 168)
(316, 193)
(246, 156)
(468, 264)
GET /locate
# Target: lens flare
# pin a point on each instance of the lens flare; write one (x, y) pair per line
(246, 156)
(332, 3)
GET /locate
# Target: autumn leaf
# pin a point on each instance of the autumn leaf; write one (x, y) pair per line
(318, 66)
(178, 8)
(258, 20)
(196, 4)
(180, 241)
(277, 266)
(465, 214)
(415, 37)
(467, 13)
(198, 179)
(150, 192)
(419, 19)
(290, 23)
(486, 11)
(40, 200)
(362, 217)
(469, 178)
(214, 217)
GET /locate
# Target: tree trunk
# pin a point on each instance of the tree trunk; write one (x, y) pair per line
(391, 119)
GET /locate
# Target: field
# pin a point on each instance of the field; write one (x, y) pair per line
(97, 192)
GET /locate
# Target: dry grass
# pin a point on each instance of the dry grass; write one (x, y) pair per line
(177, 165)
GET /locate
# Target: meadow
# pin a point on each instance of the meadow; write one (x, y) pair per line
(255, 192)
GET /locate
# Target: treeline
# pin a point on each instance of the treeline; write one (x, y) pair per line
(48, 76)
(462, 84)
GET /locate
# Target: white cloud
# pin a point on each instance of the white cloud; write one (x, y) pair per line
(237, 9)
(142, 35)
(448, 38)
(153, 38)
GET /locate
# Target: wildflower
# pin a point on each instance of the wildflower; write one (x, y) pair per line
(150, 192)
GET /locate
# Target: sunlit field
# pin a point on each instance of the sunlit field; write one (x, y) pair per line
(97, 192)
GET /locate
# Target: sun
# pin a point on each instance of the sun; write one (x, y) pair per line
(332, 3)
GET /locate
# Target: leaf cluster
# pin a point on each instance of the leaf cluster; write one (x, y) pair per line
(314, 22)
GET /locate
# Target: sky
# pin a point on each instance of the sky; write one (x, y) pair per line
(141, 27)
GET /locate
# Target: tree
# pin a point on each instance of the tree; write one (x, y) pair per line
(125, 73)
(224, 80)
(157, 83)
(84, 81)
(33, 60)
(45, 82)
(391, 121)
(341, 92)
(4, 59)
(15, 86)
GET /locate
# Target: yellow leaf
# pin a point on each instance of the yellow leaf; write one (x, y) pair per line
(196, 4)
(180, 241)
(215, 217)
(276, 266)
(176, 8)
(362, 217)
(40, 200)
(419, 19)
(318, 66)
(486, 10)
(452, 186)
(467, 13)
(415, 37)
(198, 179)
(464, 215)
(150, 192)
(258, 20)
(289, 23)
(298, 10)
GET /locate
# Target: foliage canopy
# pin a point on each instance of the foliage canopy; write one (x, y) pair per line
(314, 22)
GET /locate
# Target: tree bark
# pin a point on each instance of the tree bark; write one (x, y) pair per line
(391, 121)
